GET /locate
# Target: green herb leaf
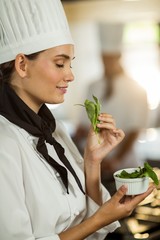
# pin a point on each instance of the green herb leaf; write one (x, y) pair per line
(151, 173)
(93, 109)
(135, 174)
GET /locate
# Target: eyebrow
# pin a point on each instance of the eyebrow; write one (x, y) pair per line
(64, 56)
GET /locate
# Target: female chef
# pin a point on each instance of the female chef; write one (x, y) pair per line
(48, 191)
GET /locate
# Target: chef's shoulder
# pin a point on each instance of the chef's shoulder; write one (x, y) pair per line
(7, 132)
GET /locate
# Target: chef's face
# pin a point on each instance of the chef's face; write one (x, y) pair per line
(46, 78)
(111, 64)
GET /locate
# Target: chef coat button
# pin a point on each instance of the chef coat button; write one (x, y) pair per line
(80, 160)
(57, 174)
(30, 138)
(76, 213)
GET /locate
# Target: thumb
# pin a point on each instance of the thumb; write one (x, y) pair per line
(120, 193)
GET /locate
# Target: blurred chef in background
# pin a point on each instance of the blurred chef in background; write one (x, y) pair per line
(121, 97)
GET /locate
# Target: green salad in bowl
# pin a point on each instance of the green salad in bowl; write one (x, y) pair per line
(136, 179)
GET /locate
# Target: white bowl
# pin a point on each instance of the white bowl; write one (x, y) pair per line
(134, 185)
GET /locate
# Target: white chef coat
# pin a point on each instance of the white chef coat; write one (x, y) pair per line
(128, 105)
(33, 201)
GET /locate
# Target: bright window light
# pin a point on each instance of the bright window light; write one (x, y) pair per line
(141, 57)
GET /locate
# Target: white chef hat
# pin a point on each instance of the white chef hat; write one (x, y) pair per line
(30, 26)
(111, 37)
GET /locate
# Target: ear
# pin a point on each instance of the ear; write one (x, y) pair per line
(21, 65)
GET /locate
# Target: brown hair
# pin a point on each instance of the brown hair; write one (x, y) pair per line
(7, 69)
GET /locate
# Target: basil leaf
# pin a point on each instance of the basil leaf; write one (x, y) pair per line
(93, 110)
(135, 174)
(151, 173)
(90, 109)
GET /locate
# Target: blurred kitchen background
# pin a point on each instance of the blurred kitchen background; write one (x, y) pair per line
(141, 59)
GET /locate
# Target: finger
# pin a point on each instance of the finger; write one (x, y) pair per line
(119, 195)
(139, 198)
(106, 118)
(105, 115)
(106, 125)
(119, 132)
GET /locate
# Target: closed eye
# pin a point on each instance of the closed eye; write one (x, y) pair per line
(60, 65)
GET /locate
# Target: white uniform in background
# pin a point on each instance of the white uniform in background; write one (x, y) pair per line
(128, 101)
(128, 105)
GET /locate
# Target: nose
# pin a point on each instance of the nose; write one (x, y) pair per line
(69, 77)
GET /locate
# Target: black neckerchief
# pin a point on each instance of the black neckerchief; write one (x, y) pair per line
(41, 125)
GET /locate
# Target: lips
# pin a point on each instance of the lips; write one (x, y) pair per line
(63, 89)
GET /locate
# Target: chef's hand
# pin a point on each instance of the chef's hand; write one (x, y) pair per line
(119, 206)
(99, 145)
